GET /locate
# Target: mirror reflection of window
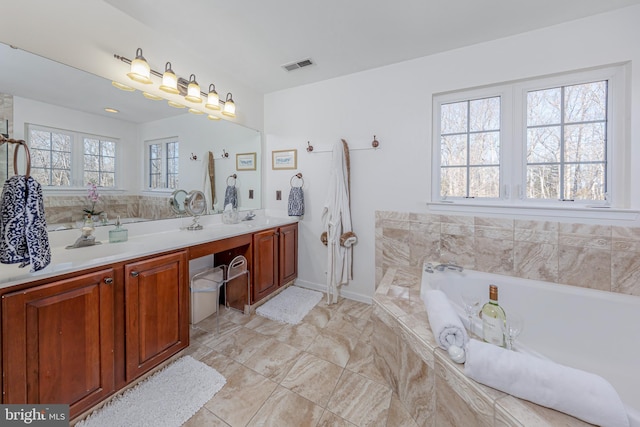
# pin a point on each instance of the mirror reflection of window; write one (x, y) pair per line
(162, 164)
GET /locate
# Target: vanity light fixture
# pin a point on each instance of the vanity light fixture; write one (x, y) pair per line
(193, 90)
(140, 70)
(213, 100)
(229, 106)
(169, 80)
(122, 86)
(151, 96)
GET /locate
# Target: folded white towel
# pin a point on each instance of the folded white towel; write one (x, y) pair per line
(581, 394)
(445, 323)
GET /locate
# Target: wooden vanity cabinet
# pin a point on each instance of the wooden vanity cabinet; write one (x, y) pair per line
(275, 259)
(58, 342)
(156, 304)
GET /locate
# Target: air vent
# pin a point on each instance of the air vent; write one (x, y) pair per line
(295, 65)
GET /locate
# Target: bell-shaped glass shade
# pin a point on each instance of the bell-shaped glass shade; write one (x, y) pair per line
(213, 100)
(169, 80)
(140, 70)
(229, 109)
(193, 90)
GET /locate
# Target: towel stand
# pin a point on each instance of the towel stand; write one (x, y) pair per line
(21, 142)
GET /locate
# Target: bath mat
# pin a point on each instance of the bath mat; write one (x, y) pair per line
(167, 398)
(290, 306)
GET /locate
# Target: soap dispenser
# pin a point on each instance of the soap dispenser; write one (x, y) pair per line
(119, 234)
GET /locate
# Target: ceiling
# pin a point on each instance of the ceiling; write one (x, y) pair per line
(254, 38)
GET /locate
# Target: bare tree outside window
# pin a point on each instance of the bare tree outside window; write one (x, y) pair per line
(567, 142)
(99, 162)
(470, 148)
(50, 157)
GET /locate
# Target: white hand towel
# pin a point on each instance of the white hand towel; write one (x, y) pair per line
(581, 394)
(445, 323)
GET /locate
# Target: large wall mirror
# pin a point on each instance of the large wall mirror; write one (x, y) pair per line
(42, 97)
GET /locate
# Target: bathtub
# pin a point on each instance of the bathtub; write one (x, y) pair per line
(587, 329)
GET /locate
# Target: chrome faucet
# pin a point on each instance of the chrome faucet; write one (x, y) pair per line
(451, 265)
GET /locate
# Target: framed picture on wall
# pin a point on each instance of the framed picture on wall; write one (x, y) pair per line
(246, 161)
(284, 159)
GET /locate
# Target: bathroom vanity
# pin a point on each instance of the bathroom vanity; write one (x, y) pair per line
(92, 326)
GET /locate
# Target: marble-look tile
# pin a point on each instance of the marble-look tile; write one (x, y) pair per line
(395, 246)
(361, 362)
(221, 363)
(319, 315)
(536, 231)
(333, 347)
(511, 412)
(399, 416)
(424, 218)
(284, 408)
(237, 412)
(494, 255)
(385, 344)
(593, 230)
(360, 400)
(537, 261)
(204, 417)
(197, 350)
(460, 401)
(499, 223)
(457, 229)
(584, 267)
(273, 360)
(299, 336)
(458, 248)
(355, 308)
(424, 243)
(265, 326)
(239, 345)
(625, 272)
(416, 385)
(330, 419)
(346, 325)
(627, 233)
(313, 378)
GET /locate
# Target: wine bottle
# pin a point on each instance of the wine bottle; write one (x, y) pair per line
(493, 317)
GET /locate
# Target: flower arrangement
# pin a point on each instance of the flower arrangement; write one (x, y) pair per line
(93, 196)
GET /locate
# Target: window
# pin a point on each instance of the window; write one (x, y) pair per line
(163, 160)
(68, 159)
(546, 141)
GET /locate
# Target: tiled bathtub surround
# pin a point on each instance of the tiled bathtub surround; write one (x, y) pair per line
(593, 256)
(69, 209)
(433, 389)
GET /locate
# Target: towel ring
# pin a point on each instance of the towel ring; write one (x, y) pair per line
(20, 142)
(234, 176)
(299, 176)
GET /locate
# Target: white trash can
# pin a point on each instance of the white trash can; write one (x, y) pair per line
(205, 288)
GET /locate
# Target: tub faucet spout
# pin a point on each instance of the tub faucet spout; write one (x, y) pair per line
(449, 266)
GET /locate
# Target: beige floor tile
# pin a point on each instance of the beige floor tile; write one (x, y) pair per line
(273, 360)
(243, 395)
(285, 408)
(355, 308)
(333, 347)
(239, 345)
(204, 417)
(346, 325)
(221, 363)
(361, 362)
(360, 400)
(265, 326)
(332, 420)
(319, 315)
(299, 336)
(398, 415)
(313, 378)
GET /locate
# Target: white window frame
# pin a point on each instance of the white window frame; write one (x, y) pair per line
(77, 158)
(163, 172)
(513, 136)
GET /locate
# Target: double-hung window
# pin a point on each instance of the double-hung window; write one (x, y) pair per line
(70, 159)
(162, 163)
(553, 141)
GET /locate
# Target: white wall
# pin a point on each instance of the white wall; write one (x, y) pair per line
(394, 103)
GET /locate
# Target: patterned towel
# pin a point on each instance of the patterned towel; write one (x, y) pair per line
(296, 202)
(231, 196)
(23, 229)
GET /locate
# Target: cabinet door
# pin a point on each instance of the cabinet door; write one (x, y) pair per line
(58, 342)
(288, 253)
(265, 263)
(156, 312)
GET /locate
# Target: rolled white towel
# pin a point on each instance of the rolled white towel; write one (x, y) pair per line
(445, 323)
(581, 394)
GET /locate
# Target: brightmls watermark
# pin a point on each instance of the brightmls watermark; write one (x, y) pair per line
(34, 415)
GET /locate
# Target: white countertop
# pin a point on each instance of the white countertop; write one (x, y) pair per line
(145, 238)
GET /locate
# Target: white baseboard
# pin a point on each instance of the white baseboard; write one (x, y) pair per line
(343, 293)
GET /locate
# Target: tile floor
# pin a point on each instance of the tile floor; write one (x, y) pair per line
(317, 373)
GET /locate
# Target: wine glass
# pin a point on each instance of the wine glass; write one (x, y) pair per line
(511, 328)
(471, 303)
